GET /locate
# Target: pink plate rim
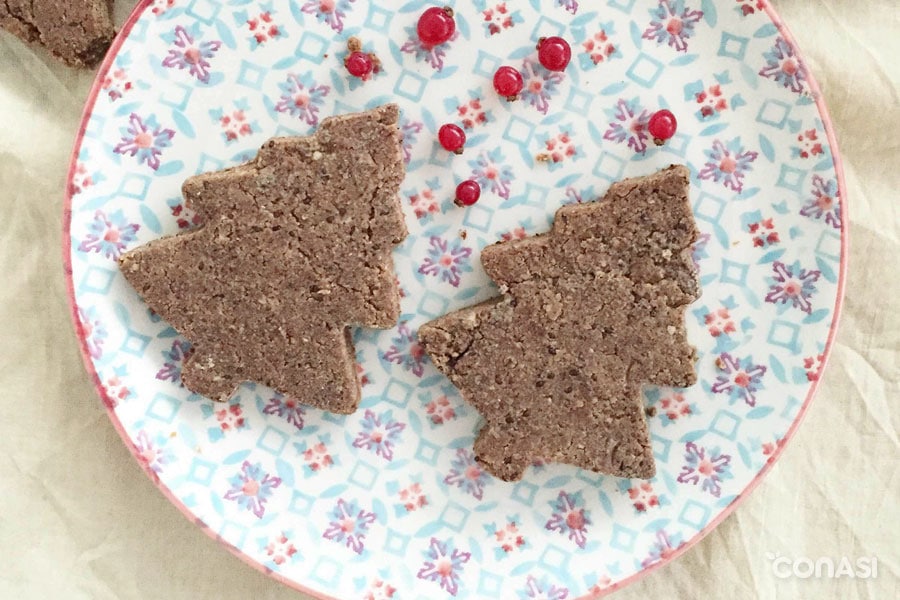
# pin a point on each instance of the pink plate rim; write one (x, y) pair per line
(89, 366)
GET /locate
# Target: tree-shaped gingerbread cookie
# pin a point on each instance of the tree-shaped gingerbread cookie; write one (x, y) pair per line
(589, 313)
(294, 247)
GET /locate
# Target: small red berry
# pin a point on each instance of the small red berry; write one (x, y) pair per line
(452, 137)
(467, 193)
(508, 82)
(359, 64)
(662, 126)
(436, 26)
(554, 53)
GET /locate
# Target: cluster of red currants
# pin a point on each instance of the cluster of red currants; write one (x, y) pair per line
(437, 26)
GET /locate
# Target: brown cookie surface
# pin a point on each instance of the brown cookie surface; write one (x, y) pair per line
(590, 312)
(76, 31)
(294, 247)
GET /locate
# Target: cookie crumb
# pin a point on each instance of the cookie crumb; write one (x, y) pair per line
(650, 411)
(463, 233)
(354, 44)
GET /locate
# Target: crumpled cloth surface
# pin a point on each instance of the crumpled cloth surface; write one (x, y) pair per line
(79, 520)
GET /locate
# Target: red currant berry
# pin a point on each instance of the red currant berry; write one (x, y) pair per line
(508, 82)
(662, 126)
(359, 64)
(467, 193)
(436, 26)
(554, 53)
(452, 137)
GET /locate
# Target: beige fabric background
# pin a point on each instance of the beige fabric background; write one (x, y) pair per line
(79, 520)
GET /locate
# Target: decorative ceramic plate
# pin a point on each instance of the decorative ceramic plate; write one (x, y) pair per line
(389, 501)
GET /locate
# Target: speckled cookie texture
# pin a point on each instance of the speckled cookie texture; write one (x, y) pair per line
(78, 32)
(589, 313)
(294, 247)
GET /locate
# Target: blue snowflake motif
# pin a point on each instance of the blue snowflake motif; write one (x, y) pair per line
(570, 518)
(570, 5)
(540, 84)
(825, 201)
(348, 525)
(707, 467)
(443, 564)
(287, 408)
(152, 452)
(332, 12)
(466, 474)
(739, 379)
(672, 23)
(109, 235)
(93, 331)
(409, 131)
(446, 261)
(190, 55)
(174, 359)
(433, 55)
(792, 284)
(699, 251)
(542, 590)
(406, 351)
(145, 139)
(491, 174)
(379, 434)
(784, 66)
(252, 487)
(575, 196)
(663, 548)
(302, 98)
(628, 123)
(728, 163)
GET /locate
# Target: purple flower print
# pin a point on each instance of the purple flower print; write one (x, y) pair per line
(287, 408)
(569, 517)
(569, 5)
(301, 97)
(329, 11)
(699, 251)
(574, 196)
(187, 54)
(672, 23)
(433, 55)
(409, 130)
(826, 201)
(145, 139)
(94, 331)
(792, 284)
(727, 163)
(151, 453)
(443, 564)
(467, 474)
(379, 434)
(784, 66)
(628, 122)
(540, 85)
(663, 548)
(446, 261)
(740, 379)
(707, 467)
(542, 590)
(109, 235)
(252, 488)
(348, 525)
(406, 351)
(174, 358)
(490, 173)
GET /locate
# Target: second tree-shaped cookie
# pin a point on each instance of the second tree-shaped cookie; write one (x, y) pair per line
(590, 312)
(294, 247)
